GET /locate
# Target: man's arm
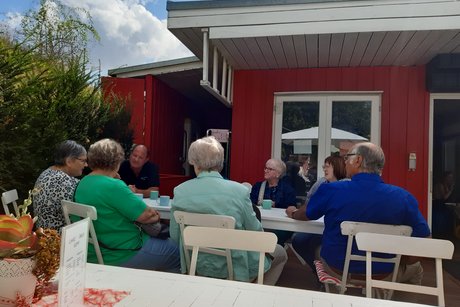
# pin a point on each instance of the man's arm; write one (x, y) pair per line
(297, 214)
(301, 213)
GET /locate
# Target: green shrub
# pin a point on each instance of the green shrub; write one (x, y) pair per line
(44, 103)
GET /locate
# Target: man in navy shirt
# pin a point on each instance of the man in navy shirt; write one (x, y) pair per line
(365, 198)
(139, 173)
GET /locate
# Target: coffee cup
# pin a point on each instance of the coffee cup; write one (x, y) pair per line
(140, 195)
(154, 195)
(267, 204)
(164, 200)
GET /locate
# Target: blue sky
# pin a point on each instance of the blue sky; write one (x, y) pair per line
(133, 32)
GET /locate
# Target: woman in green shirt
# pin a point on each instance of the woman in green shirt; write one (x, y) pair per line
(122, 242)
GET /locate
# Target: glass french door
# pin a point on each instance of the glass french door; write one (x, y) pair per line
(444, 153)
(310, 127)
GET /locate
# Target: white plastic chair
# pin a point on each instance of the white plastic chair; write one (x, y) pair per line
(235, 239)
(72, 208)
(184, 219)
(10, 197)
(350, 229)
(409, 246)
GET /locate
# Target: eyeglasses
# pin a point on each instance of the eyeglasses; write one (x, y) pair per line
(268, 169)
(349, 155)
(82, 160)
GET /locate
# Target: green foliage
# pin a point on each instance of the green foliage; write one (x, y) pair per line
(47, 96)
(299, 115)
(44, 102)
(353, 116)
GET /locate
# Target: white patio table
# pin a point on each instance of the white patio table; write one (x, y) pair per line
(271, 219)
(151, 288)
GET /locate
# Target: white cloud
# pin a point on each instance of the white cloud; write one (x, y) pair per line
(130, 34)
(11, 22)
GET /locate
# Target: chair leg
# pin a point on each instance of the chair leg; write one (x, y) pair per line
(289, 245)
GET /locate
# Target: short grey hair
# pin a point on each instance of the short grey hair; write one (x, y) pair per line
(105, 154)
(207, 154)
(67, 149)
(373, 157)
(280, 165)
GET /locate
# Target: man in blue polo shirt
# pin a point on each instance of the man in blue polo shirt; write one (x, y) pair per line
(365, 198)
(139, 173)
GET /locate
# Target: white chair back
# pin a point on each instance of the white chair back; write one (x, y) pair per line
(254, 241)
(73, 208)
(10, 197)
(350, 229)
(410, 246)
(184, 219)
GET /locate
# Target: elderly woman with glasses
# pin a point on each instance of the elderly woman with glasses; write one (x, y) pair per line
(58, 182)
(278, 189)
(274, 186)
(210, 193)
(122, 242)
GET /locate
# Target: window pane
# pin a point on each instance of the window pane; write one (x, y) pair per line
(351, 124)
(299, 146)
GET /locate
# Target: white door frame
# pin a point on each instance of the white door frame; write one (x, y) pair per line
(433, 97)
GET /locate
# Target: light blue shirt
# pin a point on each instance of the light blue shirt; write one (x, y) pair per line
(210, 193)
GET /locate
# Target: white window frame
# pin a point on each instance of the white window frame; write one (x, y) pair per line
(326, 100)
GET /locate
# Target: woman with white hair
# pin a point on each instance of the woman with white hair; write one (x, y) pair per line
(274, 186)
(277, 188)
(210, 193)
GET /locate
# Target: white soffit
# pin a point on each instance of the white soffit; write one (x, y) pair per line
(322, 34)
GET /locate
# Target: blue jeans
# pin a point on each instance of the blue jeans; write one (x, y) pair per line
(158, 255)
(306, 244)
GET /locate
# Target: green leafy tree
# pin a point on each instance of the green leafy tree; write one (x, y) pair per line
(18, 85)
(47, 96)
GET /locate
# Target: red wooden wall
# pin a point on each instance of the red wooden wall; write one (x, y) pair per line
(404, 117)
(133, 90)
(168, 114)
(158, 122)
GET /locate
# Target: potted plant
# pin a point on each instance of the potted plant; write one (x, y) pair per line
(28, 258)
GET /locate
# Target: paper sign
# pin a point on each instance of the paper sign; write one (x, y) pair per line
(74, 248)
(221, 135)
(302, 146)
